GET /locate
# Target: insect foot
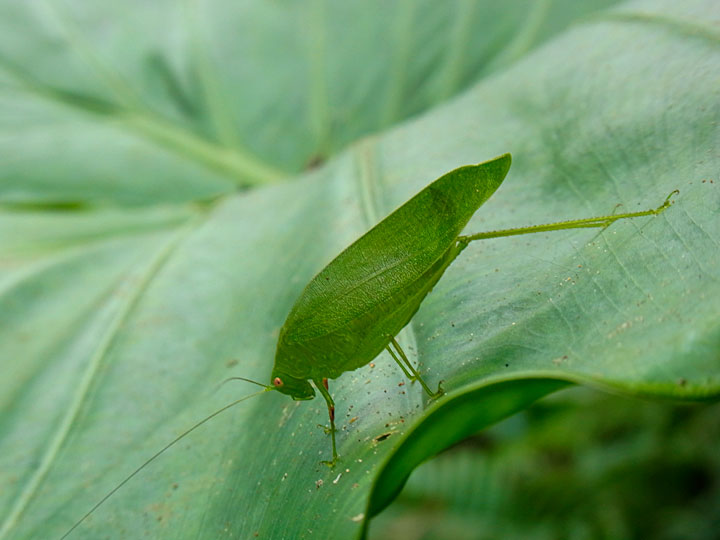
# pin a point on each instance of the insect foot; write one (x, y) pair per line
(330, 430)
(440, 391)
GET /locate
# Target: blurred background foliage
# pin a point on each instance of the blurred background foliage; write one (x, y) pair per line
(577, 465)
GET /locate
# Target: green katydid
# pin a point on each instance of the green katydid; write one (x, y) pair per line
(354, 307)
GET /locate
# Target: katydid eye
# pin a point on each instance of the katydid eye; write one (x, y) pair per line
(277, 381)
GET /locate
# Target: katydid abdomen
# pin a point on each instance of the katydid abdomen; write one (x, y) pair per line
(349, 311)
(348, 347)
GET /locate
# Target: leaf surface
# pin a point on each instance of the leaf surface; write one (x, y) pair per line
(126, 296)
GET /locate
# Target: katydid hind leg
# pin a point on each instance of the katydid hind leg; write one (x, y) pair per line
(584, 223)
(324, 389)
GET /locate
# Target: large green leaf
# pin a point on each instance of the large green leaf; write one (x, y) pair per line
(116, 324)
(142, 102)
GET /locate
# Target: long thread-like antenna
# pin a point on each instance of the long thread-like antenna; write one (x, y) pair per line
(266, 386)
(157, 454)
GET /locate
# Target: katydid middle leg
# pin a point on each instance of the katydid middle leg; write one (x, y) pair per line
(409, 370)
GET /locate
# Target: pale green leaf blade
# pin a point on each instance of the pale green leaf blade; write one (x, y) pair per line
(139, 102)
(116, 343)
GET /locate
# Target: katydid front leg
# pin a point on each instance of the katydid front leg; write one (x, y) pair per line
(324, 390)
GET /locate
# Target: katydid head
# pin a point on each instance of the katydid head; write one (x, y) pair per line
(298, 389)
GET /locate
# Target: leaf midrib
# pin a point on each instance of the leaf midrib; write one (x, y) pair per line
(238, 164)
